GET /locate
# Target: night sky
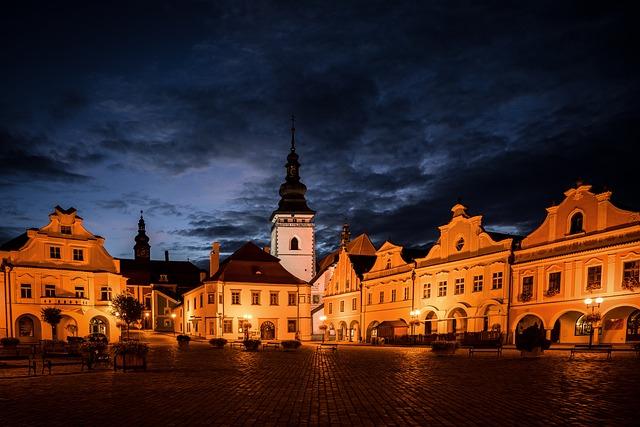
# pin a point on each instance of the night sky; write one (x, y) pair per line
(182, 109)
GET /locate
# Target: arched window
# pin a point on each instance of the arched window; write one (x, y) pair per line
(294, 244)
(576, 223)
(26, 327)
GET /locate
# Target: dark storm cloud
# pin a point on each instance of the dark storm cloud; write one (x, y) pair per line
(403, 109)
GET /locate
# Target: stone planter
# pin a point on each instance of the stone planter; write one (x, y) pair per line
(183, 345)
(444, 348)
(130, 361)
(536, 352)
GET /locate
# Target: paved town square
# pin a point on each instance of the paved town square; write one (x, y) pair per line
(354, 385)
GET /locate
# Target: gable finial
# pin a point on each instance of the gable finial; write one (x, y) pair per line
(293, 132)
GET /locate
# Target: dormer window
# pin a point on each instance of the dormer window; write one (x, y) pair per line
(460, 244)
(78, 255)
(54, 252)
(576, 223)
(294, 246)
(388, 264)
(65, 229)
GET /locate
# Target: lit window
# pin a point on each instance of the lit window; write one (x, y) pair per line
(235, 297)
(255, 298)
(426, 290)
(49, 290)
(54, 252)
(442, 289)
(497, 280)
(459, 289)
(164, 278)
(79, 291)
(25, 290)
(65, 229)
(631, 274)
(316, 299)
(478, 281)
(78, 255)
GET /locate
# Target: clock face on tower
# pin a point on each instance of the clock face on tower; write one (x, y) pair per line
(143, 252)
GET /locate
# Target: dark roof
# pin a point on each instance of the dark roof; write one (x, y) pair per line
(253, 265)
(501, 236)
(15, 243)
(362, 263)
(66, 211)
(184, 274)
(361, 245)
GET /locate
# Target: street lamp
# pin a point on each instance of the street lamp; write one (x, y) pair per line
(246, 326)
(594, 317)
(414, 320)
(323, 327)
(173, 322)
(146, 320)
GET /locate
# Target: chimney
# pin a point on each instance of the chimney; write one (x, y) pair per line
(166, 256)
(214, 258)
(267, 249)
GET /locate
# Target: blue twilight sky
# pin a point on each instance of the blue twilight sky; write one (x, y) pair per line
(181, 109)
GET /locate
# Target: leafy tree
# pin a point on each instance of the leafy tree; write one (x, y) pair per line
(127, 308)
(52, 316)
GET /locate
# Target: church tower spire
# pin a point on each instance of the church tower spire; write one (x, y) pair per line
(142, 249)
(292, 226)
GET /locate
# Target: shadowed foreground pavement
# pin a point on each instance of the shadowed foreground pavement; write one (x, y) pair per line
(355, 385)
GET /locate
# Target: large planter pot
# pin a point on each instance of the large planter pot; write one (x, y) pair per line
(183, 345)
(130, 361)
(251, 345)
(536, 352)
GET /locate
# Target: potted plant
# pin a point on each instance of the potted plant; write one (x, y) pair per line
(93, 351)
(251, 345)
(130, 355)
(127, 309)
(442, 348)
(288, 345)
(183, 340)
(9, 342)
(218, 342)
(52, 316)
(532, 341)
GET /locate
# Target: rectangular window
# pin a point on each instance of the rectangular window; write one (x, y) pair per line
(255, 298)
(211, 298)
(341, 306)
(105, 293)
(49, 290)
(195, 305)
(25, 290)
(235, 297)
(79, 291)
(459, 289)
(220, 298)
(291, 325)
(292, 298)
(347, 285)
(227, 326)
(442, 289)
(527, 287)
(78, 255)
(497, 280)
(369, 298)
(273, 298)
(187, 304)
(303, 299)
(381, 300)
(65, 229)
(426, 290)
(330, 307)
(631, 274)
(354, 304)
(393, 295)
(54, 252)
(554, 283)
(594, 277)
(478, 281)
(316, 299)
(406, 293)
(201, 300)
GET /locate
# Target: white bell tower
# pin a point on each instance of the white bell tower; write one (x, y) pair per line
(292, 226)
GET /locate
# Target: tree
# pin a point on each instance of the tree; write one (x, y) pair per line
(52, 316)
(127, 308)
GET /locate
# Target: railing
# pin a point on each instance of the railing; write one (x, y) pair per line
(465, 338)
(64, 301)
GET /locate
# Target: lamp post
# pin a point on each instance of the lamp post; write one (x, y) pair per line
(323, 327)
(146, 320)
(594, 317)
(246, 325)
(173, 323)
(414, 320)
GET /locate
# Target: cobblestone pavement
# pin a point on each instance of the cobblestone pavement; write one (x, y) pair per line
(355, 385)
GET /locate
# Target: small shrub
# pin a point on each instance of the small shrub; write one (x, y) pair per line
(218, 342)
(75, 340)
(251, 345)
(291, 344)
(9, 342)
(444, 346)
(183, 338)
(531, 338)
(94, 347)
(131, 347)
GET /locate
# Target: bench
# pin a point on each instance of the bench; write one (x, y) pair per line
(233, 344)
(482, 349)
(598, 348)
(273, 344)
(323, 346)
(31, 363)
(50, 359)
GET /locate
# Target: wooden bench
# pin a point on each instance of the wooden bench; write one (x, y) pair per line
(326, 346)
(273, 344)
(233, 344)
(31, 363)
(50, 359)
(598, 348)
(488, 349)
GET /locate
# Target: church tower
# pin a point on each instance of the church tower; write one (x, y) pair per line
(142, 250)
(292, 226)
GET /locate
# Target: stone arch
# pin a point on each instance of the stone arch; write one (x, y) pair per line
(457, 320)
(68, 327)
(576, 221)
(615, 323)
(563, 326)
(372, 330)
(28, 328)
(430, 322)
(525, 320)
(100, 325)
(342, 331)
(489, 316)
(294, 243)
(354, 331)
